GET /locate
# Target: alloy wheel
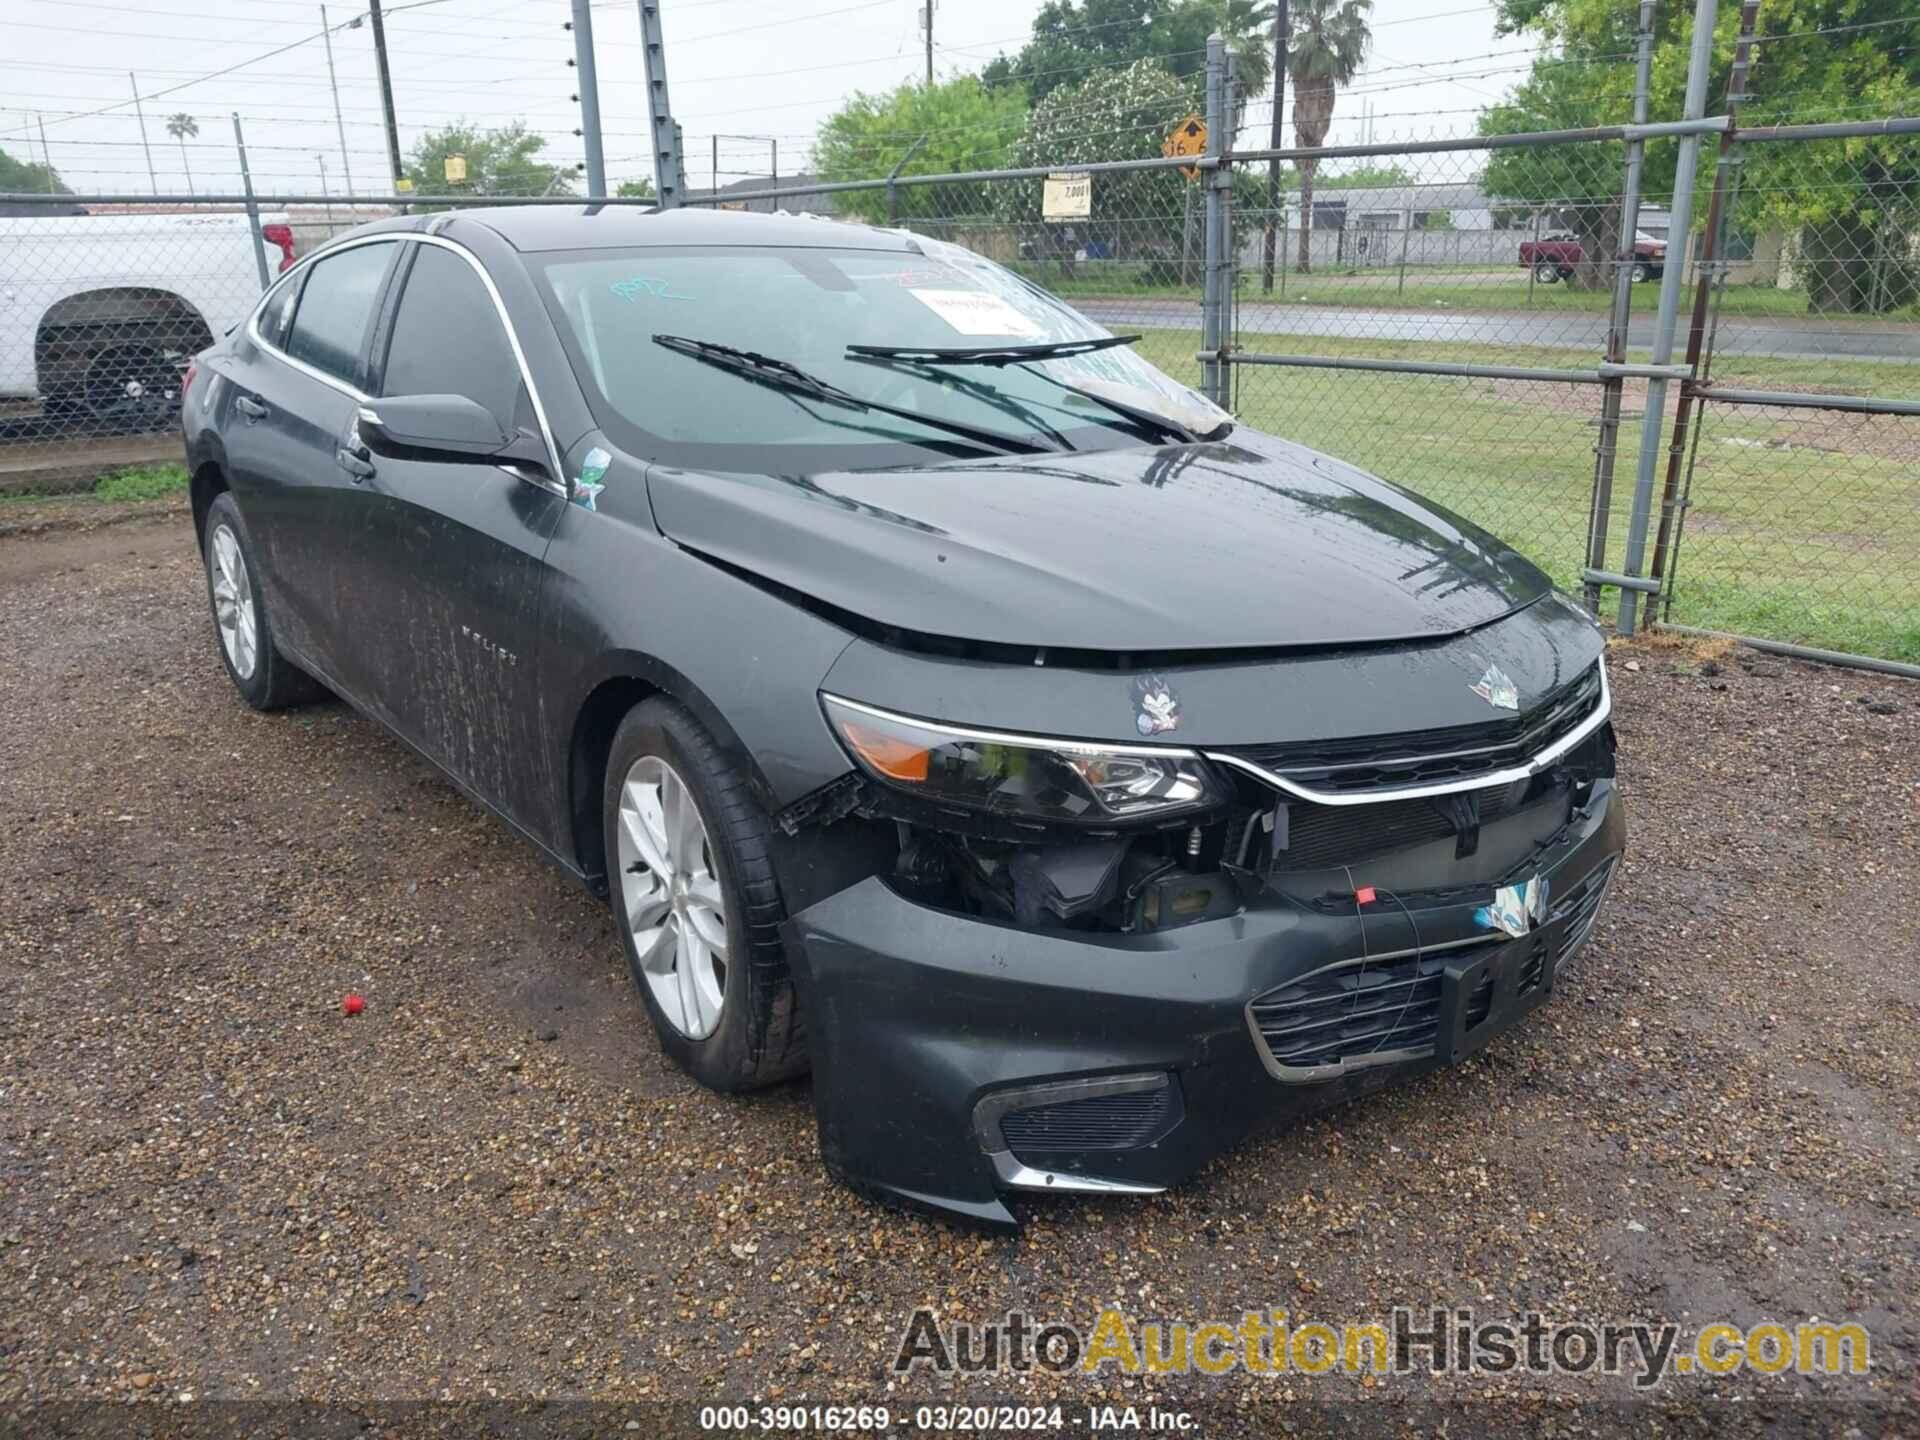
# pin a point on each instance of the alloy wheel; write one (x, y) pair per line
(233, 603)
(671, 897)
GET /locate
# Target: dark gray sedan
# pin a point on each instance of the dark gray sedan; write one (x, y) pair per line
(944, 699)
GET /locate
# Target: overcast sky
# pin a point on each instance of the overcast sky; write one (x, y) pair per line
(767, 69)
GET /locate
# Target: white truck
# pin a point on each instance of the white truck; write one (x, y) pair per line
(100, 313)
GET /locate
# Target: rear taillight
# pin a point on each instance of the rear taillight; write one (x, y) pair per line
(186, 380)
(281, 235)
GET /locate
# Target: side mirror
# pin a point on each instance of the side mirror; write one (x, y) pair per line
(433, 427)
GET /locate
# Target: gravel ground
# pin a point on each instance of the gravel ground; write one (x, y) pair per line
(491, 1183)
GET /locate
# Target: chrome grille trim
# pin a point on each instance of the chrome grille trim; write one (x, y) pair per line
(1483, 781)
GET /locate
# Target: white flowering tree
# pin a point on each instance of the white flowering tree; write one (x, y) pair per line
(1116, 114)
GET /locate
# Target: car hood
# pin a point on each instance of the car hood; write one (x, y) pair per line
(1249, 543)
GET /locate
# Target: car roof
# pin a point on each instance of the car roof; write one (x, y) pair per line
(593, 227)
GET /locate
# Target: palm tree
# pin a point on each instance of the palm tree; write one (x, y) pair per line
(1325, 51)
(180, 125)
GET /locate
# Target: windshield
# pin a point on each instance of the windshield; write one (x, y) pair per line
(806, 307)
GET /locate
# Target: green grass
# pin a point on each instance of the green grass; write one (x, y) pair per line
(141, 482)
(1459, 287)
(128, 484)
(1804, 529)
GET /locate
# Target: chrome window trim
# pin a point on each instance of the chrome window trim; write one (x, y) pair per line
(557, 484)
(1279, 782)
(1488, 781)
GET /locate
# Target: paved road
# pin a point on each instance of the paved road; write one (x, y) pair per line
(1798, 340)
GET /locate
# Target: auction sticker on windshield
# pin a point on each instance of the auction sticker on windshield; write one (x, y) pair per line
(975, 312)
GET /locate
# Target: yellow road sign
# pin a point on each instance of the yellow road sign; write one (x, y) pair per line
(1189, 137)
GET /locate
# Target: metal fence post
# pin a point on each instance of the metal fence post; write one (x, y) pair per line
(253, 208)
(1219, 181)
(1680, 226)
(1709, 272)
(1607, 445)
(669, 177)
(589, 99)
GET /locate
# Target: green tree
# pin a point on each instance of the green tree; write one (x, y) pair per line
(1573, 187)
(940, 129)
(27, 177)
(1073, 41)
(504, 161)
(635, 190)
(1327, 45)
(1853, 206)
(180, 125)
(1369, 177)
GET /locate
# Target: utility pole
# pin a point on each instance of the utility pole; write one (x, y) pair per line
(326, 195)
(46, 155)
(589, 99)
(152, 175)
(1277, 139)
(926, 24)
(346, 165)
(386, 90)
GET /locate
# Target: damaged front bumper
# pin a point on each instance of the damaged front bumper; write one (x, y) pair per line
(958, 1058)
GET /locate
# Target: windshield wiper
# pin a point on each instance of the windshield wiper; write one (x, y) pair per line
(986, 394)
(990, 354)
(784, 375)
(1139, 414)
(1162, 425)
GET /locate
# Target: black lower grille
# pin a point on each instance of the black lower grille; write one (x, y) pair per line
(1328, 835)
(1102, 1122)
(1360, 1009)
(1580, 907)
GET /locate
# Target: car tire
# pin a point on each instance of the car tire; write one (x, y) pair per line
(731, 1020)
(242, 628)
(1641, 274)
(1546, 273)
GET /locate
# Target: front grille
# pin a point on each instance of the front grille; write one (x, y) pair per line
(1327, 835)
(1100, 1122)
(1359, 1010)
(1431, 757)
(1365, 1010)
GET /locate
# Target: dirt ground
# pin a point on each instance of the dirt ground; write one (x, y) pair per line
(214, 1184)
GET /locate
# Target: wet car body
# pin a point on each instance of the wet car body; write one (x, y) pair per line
(1396, 722)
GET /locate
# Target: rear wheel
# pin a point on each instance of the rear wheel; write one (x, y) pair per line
(696, 901)
(123, 376)
(1546, 272)
(265, 678)
(1641, 274)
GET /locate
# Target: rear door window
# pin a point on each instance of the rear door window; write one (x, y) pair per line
(278, 310)
(335, 310)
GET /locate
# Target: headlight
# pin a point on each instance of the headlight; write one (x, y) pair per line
(1064, 781)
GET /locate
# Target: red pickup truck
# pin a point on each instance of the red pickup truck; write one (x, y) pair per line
(1553, 257)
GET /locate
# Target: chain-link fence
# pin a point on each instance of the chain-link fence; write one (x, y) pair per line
(1486, 319)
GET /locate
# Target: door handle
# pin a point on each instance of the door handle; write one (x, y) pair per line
(250, 408)
(359, 466)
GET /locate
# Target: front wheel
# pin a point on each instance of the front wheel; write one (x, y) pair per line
(1641, 274)
(698, 908)
(1546, 272)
